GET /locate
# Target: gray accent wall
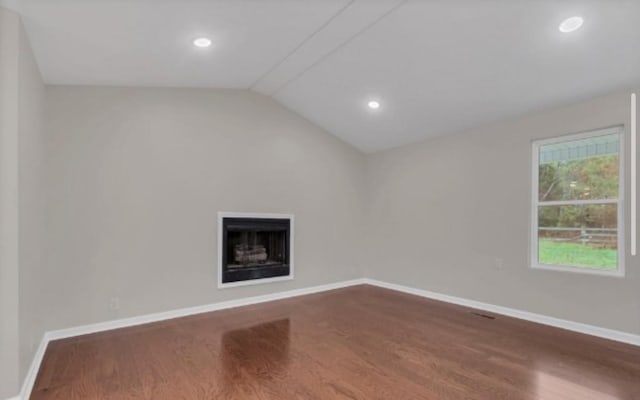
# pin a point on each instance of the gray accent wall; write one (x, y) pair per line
(452, 215)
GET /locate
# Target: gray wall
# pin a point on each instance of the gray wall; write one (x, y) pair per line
(135, 178)
(9, 50)
(21, 202)
(442, 211)
(32, 200)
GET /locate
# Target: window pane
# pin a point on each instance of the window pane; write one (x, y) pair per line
(579, 169)
(578, 235)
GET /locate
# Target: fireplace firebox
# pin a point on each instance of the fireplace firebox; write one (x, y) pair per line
(254, 248)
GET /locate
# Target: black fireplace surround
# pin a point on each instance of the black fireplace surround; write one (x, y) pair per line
(255, 248)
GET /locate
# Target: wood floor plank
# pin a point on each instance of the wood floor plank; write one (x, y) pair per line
(356, 343)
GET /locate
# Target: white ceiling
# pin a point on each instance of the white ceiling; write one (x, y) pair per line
(437, 66)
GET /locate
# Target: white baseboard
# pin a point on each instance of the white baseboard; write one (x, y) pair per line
(183, 312)
(143, 319)
(32, 373)
(30, 379)
(605, 333)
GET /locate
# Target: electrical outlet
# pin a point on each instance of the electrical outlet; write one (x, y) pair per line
(114, 304)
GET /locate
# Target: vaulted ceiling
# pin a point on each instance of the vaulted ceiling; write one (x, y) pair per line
(435, 66)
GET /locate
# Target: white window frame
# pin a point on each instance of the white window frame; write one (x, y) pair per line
(620, 270)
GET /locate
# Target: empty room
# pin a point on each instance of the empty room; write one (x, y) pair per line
(319, 199)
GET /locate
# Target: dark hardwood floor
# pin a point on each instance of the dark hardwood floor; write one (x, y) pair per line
(356, 343)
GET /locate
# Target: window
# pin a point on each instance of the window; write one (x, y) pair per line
(577, 203)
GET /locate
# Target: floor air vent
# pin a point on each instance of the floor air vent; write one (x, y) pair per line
(487, 316)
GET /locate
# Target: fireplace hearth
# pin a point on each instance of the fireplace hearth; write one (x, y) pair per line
(254, 248)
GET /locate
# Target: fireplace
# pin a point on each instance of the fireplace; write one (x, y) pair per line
(254, 248)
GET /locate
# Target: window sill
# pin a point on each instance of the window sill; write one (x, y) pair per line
(618, 273)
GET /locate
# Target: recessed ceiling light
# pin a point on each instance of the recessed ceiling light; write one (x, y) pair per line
(373, 104)
(571, 24)
(202, 42)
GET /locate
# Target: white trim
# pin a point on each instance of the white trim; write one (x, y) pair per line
(226, 214)
(183, 312)
(610, 130)
(615, 273)
(17, 397)
(255, 281)
(634, 151)
(32, 373)
(619, 272)
(592, 330)
(577, 202)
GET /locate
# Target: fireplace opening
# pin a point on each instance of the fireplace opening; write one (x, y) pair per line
(255, 248)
